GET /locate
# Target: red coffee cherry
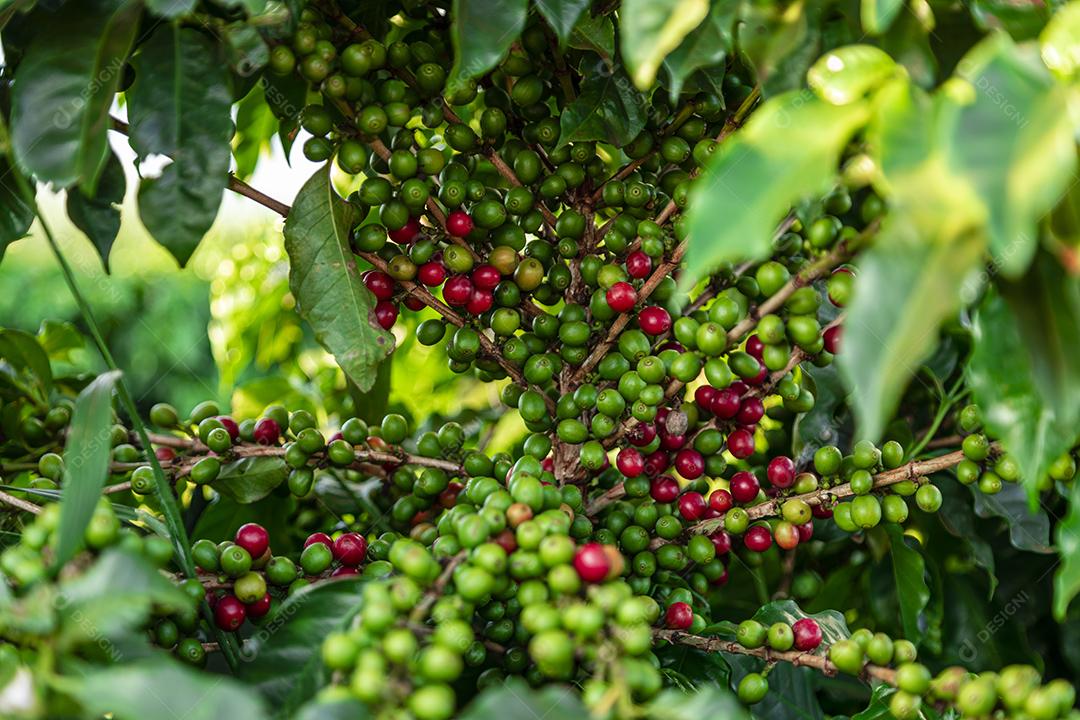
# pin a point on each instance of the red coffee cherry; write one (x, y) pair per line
(679, 616)
(629, 462)
(621, 297)
(386, 314)
(744, 487)
(321, 538)
(641, 434)
(751, 410)
(230, 425)
(592, 562)
(486, 277)
(689, 463)
(664, 489)
(458, 223)
(755, 347)
(692, 506)
(253, 538)
(267, 432)
(726, 403)
(758, 538)
(229, 613)
(654, 320)
(704, 397)
(721, 541)
(807, 634)
(480, 302)
(406, 234)
(638, 265)
(350, 549)
(741, 443)
(832, 337)
(457, 291)
(259, 608)
(431, 273)
(781, 472)
(380, 284)
(720, 500)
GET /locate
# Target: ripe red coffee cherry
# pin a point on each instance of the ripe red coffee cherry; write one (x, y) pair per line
(592, 562)
(654, 320)
(744, 487)
(413, 303)
(806, 530)
(630, 463)
(638, 264)
(758, 538)
(656, 463)
(380, 284)
(253, 538)
(721, 541)
(267, 431)
(751, 410)
(458, 223)
(621, 297)
(506, 541)
(741, 443)
(720, 500)
(664, 489)
(259, 608)
(319, 537)
(781, 472)
(407, 233)
(726, 403)
(755, 347)
(689, 463)
(350, 549)
(679, 616)
(692, 506)
(486, 277)
(480, 302)
(457, 291)
(704, 397)
(820, 511)
(229, 613)
(229, 424)
(672, 442)
(807, 634)
(165, 454)
(832, 337)
(344, 570)
(641, 434)
(386, 314)
(431, 273)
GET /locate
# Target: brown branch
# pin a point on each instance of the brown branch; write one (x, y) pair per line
(797, 658)
(19, 504)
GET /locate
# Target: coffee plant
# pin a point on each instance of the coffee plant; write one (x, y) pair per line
(776, 307)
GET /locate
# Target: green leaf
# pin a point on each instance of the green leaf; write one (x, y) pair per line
(87, 452)
(171, 8)
(650, 29)
(250, 479)
(878, 15)
(224, 516)
(245, 49)
(960, 522)
(482, 33)
(299, 626)
(1024, 372)
(909, 574)
(1067, 576)
(878, 709)
(164, 689)
(788, 150)
(117, 594)
(713, 701)
(908, 283)
(15, 215)
(255, 126)
(1028, 530)
(179, 106)
(58, 338)
(782, 41)
(1060, 41)
(607, 109)
(25, 356)
(1014, 144)
(326, 284)
(596, 34)
(562, 15)
(98, 215)
(515, 700)
(333, 710)
(832, 623)
(64, 87)
(847, 74)
(706, 46)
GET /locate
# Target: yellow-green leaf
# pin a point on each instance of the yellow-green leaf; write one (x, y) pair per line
(650, 29)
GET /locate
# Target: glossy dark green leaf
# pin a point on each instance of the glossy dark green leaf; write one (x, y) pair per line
(98, 215)
(15, 215)
(299, 626)
(482, 33)
(562, 15)
(878, 15)
(250, 479)
(1028, 530)
(1067, 575)
(515, 700)
(255, 126)
(1024, 371)
(164, 688)
(115, 595)
(171, 8)
(87, 452)
(960, 522)
(706, 46)
(651, 29)
(27, 362)
(326, 283)
(64, 87)
(693, 666)
(878, 709)
(224, 516)
(596, 34)
(245, 49)
(1015, 145)
(607, 109)
(788, 150)
(832, 623)
(714, 701)
(908, 284)
(179, 106)
(909, 574)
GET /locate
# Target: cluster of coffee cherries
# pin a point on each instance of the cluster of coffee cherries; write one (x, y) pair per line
(985, 467)
(247, 580)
